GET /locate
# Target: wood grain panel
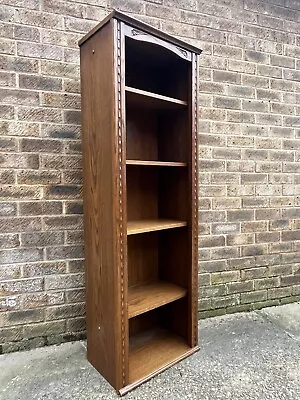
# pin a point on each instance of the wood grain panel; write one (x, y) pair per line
(173, 132)
(98, 132)
(142, 258)
(143, 322)
(142, 193)
(174, 257)
(173, 189)
(141, 133)
(175, 318)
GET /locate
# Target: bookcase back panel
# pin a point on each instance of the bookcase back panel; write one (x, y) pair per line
(174, 256)
(156, 135)
(153, 68)
(150, 341)
(173, 201)
(144, 322)
(171, 317)
(157, 192)
(174, 317)
(173, 131)
(142, 193)
(141, 134)
(142, 258)
(160, 255)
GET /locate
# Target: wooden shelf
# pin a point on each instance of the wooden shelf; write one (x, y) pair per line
(150, 225)
(156, 163)
(148, 99)
(143, 298)
(159, 348)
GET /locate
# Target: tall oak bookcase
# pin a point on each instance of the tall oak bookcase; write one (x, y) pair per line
(139, 134)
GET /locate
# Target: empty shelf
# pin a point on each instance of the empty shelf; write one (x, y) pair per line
(149, 225)
(143, 98)
(156, 163)
(143, 298)
(159, 347)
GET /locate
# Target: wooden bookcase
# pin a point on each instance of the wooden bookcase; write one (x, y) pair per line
(139, 105)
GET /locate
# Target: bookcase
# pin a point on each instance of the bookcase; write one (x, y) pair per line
(139, 135)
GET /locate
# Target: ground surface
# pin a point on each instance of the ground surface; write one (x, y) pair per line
(243, 356)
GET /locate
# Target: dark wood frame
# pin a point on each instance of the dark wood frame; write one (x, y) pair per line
(106, 227)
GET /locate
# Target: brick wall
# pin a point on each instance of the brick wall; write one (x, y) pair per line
(249, 151)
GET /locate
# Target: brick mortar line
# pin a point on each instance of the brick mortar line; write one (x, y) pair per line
(239, 111)
(33, 278)
(242, 23)
(196, 13)
(246, 98)
(14, 120)
(41, 28)
(43, 107)
(242, 110)
(253, 148)
(27, 153)
(34, 90)
(18, 138)
(52, 13)
(256, 13)
(40, 262)
(40, 106)
(38, 59)
(32, 263)
(270, 29)
(39, 186)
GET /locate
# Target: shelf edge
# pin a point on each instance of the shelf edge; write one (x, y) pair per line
(159, 228)
(156, 96)
(156, 163)
(181, 295)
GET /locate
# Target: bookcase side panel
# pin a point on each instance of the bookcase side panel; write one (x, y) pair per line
(98, 133)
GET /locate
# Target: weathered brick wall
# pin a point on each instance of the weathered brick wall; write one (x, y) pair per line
(249, 151)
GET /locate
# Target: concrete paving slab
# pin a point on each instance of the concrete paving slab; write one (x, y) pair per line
(287, 317)
(242, 356)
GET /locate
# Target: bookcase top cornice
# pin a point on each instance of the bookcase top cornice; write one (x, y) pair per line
(135, 23)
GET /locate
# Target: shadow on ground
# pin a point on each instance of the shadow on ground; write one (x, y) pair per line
(243, 356)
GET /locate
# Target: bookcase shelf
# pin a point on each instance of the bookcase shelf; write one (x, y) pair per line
(142, 226)
(142, 98)
(139, 137)
(146, 297)
(156, 163)
(159, 347)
